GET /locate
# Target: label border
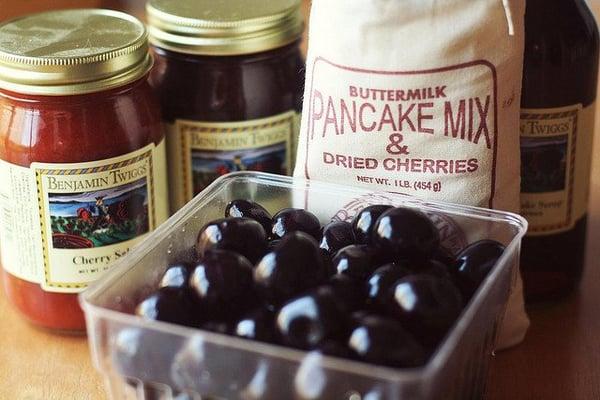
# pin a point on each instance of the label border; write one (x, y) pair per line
(40, 172)
(482, 62)
(285, 118)
(574, 114)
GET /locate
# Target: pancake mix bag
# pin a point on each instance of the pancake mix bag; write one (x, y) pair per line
(420, 97)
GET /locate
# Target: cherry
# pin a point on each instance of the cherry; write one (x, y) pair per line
(406, 234)
(309, 320)
(364, 222)
(272, 244)
(385, 342)
(380, 282)
(337, 235)
(474, 263)
(143, 354)
(356, 261)
(223, 282)
(444, 256)
(266, 383)
(257, 325)
(350, 292)
(188, 256)
(294, 219)
(358, 315)
(294, 266)
(241, 235)
(249, 209)
(328, 264)
(176, 276)
(430, 267)
(169, 305)
(335, 349)
(201, 364)
(426, 305)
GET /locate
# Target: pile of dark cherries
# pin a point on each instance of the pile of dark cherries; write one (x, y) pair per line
(380, 289)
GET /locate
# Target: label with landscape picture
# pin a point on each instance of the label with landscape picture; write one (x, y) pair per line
(63, 225)
(556, 151)
(200, 152)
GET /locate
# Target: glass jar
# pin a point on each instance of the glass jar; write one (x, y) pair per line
(230, 78)
(82, 160)
(560, 80)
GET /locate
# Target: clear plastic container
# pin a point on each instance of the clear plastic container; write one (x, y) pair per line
(155, 360)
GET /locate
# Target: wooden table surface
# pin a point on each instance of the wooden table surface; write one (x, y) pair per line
(560, 358)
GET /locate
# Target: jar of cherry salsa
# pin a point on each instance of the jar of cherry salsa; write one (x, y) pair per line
(230, 78)
(82, 156)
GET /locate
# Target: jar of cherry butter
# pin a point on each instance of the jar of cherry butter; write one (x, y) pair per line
(82, 156)
(230, 78)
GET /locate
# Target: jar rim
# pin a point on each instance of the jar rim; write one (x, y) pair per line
(69, 52)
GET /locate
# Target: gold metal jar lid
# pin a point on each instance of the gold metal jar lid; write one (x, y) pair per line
(72, 52)
(224, 27)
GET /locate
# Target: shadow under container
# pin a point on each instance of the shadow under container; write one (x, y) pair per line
(82, 160)
(230, 79)
(142, 359)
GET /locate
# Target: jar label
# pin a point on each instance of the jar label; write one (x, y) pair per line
(63, 225)
(200, 152)
(556, 151)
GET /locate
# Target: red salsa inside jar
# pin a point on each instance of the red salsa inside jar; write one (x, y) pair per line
(82, 156)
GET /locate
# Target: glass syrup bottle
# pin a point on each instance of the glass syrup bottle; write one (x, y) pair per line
(557, 126)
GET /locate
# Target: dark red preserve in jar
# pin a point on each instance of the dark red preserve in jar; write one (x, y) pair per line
(82, 156)
(230, 78)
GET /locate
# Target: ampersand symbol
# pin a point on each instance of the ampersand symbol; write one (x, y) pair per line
(394, 146)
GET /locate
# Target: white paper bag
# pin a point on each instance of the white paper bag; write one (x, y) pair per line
(420, 97)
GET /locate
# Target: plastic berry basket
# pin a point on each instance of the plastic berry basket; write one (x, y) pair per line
(142, 359)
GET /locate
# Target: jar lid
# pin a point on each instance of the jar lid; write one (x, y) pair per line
(224, 28)
(72, 52)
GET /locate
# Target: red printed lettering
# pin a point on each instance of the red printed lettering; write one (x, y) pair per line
(454, 125)
(350, 116)
(361, 117)
(483, 128)
(330, 118)
(405, 117)
(423, 116)
(316, 115)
